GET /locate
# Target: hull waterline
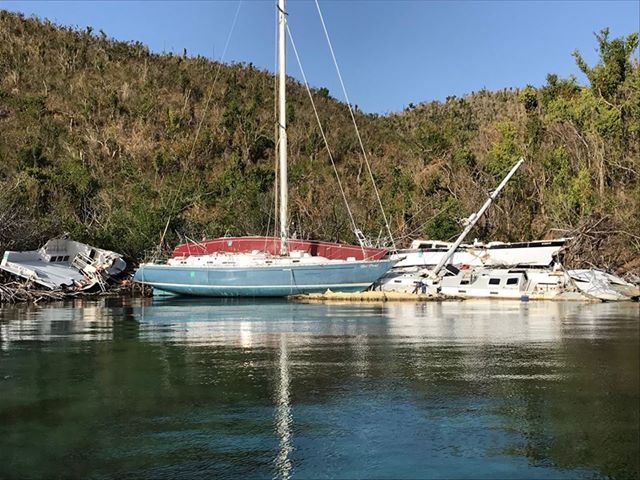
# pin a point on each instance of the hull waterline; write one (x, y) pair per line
(272, 281)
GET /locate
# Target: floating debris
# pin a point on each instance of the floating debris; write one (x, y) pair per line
(368, 296)
(27, 292)
(16, 292)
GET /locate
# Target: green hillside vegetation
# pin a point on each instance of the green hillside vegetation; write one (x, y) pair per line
(106, 141)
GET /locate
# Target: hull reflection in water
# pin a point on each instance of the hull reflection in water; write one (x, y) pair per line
(230, 388)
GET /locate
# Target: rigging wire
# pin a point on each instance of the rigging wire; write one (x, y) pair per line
(353, 118)
(276, 139)
(324, 137)
(419, 228)
(204, 113)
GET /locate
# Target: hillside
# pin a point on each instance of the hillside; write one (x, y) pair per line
(99, 138)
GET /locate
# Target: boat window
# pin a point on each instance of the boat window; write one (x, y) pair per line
(66, 258)
(452, 269)
(54, 259)
(494, 281)
(512, 281)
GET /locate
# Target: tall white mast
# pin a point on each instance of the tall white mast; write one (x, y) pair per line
(282, 127)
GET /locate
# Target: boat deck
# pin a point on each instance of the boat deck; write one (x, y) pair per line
(47, 273)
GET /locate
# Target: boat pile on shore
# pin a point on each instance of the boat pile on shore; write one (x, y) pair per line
(524, 270)
(533, 270)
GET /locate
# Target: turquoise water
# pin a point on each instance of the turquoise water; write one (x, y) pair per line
(122, 388)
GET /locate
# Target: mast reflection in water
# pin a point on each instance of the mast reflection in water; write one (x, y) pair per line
(270, 389)
(283, 414)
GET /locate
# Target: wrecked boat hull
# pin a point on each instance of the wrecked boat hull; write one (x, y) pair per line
(62, 263)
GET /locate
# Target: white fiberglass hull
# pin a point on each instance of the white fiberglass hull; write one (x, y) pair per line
(64, 263)
(529, 284)
(494, 254)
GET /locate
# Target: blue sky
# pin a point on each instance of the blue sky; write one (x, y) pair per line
(392, 52)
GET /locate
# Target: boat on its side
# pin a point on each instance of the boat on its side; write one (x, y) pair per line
(603, 285)
(428, 253)
(64, 263)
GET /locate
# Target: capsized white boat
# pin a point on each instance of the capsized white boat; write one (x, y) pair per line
(603, 285)
(64, 263)
(428, 253)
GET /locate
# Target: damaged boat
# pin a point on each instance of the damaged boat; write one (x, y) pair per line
(65, 264)
(428, 253)
(514, 283)
(523, 270)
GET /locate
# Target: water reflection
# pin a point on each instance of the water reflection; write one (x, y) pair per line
(202, 388)
(283, 419)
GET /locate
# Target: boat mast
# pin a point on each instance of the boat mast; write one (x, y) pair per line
(282, 126)
(473, 219)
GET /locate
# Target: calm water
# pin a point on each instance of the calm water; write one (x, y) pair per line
(121, 388)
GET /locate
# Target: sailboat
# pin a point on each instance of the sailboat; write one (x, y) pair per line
(263, 272)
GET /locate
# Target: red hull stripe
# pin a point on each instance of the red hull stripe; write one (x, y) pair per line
(332, 251)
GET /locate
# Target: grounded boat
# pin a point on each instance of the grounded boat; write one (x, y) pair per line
(515, 283)
(524, 270)
(63, 263)
(260, 274)
(428, 253)
(264, 266)
(603, 285)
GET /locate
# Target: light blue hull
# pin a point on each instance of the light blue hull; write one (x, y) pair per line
(267, 281)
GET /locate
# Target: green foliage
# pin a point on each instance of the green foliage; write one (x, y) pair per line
(505, 152)
(75, 179)
(465, 158)
(32, 105)
(111, 143)
(31, 156)
(323, 92)
(614, 66)
(556, 88)
(529, 99)
(444, 224)
(580, 195)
